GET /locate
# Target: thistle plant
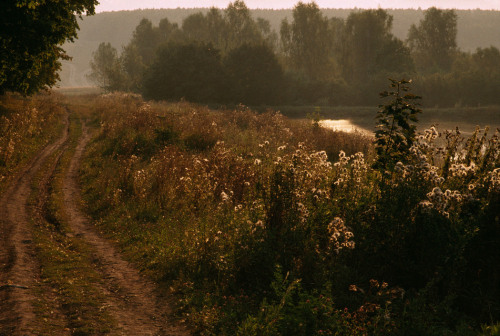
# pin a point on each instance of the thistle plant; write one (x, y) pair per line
(396, 128)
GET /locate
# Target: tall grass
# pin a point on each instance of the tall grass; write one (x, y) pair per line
(266, 226)
(26, 125)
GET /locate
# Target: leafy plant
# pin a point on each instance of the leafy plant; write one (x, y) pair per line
(396, 131)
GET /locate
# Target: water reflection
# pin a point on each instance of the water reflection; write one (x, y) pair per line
(343, 125)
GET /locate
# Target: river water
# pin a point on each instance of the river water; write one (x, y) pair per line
(343, 125)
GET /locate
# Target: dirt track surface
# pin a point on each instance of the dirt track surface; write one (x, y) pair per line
(133, 301)
(18, 265)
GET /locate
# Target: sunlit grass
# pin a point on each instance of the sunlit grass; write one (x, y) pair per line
(251, 217)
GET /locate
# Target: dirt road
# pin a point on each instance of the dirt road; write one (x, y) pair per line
(135, 303)
(18, 265)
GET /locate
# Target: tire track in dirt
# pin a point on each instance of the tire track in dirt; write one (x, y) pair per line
(133, 301)
(19, 272)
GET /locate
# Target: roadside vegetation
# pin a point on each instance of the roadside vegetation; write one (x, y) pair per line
(265, 226)
(26, 126)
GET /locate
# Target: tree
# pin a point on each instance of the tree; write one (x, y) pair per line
(217, 28)
(241, 28)
(133, 67)
(31, 36)
(433, 42)
(106, 68)
(191, 71)
(146, 39)
(195, 28)
(306, 42)
(370, 48)
(255, 75)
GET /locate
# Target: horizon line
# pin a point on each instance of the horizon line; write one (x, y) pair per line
(321, 8)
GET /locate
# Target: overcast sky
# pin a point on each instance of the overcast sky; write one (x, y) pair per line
(115, 5)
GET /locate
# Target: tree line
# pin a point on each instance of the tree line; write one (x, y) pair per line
(228, 56)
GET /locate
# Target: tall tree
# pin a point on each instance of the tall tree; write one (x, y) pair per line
(434, 41)
(106, 68)
(306, 42)
(31, 35)
(139, 54)
(242, 28)
(146, 39)
(217, 28)
(370, 48)
(195, 28)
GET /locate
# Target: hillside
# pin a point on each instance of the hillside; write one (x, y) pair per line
(476, 28)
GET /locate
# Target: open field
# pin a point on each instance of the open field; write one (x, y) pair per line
(231, 222)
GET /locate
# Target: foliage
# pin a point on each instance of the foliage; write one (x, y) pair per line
(396, 133)
(193, 72)
(369, 46)
(31, 36)
(262, 233)
(434, 41)
(255, 76)
(106, 68)
(25, 127)
(325, 60)
(307, 41)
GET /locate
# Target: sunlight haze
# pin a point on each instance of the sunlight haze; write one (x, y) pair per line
(116, 5)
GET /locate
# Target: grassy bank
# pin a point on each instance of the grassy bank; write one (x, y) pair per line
(269, 226)
(26, 126)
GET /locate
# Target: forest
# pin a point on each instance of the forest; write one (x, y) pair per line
(228, 57)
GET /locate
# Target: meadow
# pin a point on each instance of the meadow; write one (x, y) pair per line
(264, 225)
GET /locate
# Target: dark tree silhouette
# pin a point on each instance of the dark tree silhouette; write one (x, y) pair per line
(31, 36)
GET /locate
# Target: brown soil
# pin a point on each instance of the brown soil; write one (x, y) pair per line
(134, 302)
(19, 273)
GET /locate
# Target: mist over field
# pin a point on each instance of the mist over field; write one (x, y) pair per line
(476, 29)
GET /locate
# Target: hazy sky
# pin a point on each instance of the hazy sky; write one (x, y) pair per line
(114, 5)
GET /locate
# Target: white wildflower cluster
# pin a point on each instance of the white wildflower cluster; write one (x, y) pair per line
(431, 134)
(312, 170)
(419, 166)
(141, 180)
(494, 179)
(117, 196)
(264, 144)
(350, 170)
(257, 226)
(462, 170)
(340, 236)
(303, 212)
(225, 198)
(443, 202)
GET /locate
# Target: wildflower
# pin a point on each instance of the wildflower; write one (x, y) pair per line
(224, 197)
